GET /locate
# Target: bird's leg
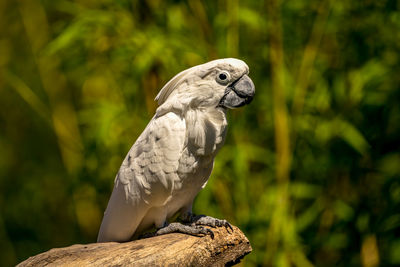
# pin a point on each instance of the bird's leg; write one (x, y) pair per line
(191, 225)
(177, 227)
(194, 220)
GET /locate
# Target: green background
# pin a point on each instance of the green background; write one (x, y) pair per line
(310, 170)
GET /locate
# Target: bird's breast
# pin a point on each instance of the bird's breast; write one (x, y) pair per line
(205, 136)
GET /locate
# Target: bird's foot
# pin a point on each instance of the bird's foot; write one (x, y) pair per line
(206, 220)
(176, 227)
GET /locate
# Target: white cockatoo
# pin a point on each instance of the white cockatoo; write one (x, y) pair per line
(172, 159)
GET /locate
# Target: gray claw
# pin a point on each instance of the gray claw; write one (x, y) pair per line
(204, 231)
(228, 225)
(175, 227)
(209, 231)
(212, 222)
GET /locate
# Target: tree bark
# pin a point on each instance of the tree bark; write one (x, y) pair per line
(226, 249)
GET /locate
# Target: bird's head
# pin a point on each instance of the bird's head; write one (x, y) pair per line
(222, 83)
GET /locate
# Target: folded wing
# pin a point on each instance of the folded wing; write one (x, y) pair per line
(146, 178)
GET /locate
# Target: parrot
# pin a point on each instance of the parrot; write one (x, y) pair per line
(172, 159)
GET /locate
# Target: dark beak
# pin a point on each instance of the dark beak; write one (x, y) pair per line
(239, 93)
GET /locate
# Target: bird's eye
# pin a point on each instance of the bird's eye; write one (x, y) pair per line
(223, 77)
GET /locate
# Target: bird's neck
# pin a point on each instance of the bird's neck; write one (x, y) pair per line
(206, 130)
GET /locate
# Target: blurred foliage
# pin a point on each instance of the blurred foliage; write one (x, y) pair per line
(310, 170)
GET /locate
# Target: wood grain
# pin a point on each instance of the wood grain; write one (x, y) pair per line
(227, 248)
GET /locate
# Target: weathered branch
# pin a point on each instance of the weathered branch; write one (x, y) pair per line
(227, 248)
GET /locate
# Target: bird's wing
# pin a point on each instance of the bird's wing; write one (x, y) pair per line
(146, 178)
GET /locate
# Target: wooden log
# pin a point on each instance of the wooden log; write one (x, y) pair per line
(226, 249)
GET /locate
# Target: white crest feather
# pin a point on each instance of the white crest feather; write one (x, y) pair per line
(166, 91)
